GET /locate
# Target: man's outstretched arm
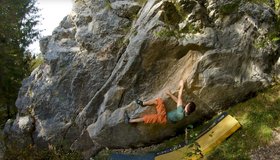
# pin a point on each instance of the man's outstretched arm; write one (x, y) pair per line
(178, 100)
(174, 98)
(181, 87)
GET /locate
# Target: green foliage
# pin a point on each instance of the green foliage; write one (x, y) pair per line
(277, 5)
(261, 43)
(276, 35)
(142, 2)
(108, 4)
(174, 13)
(165, 33)
(18, 19)
(103, 155)
(193, 150)
(170, 14)
(258, 117)
(189, 28)
(270, 38)
(17, 32)
(3, 117)
(179, 9)
(229, 7)
(36, 61)
(33, 153)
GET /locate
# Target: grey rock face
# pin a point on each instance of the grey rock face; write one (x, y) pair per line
(105, 54)
(125, 9)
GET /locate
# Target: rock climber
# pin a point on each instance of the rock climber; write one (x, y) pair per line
(162, 117)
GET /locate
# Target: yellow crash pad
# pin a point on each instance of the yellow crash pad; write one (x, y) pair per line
(205, 143)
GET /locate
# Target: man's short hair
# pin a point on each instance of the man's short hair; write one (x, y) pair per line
(191, 107)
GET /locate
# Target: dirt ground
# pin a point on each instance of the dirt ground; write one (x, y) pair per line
(271, 151)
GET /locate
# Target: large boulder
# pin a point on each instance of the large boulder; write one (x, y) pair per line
(106, 53)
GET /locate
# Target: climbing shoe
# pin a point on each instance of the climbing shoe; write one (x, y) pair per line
(126, 117)
(139, 102)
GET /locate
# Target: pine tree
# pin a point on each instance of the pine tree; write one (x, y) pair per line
(17, 31)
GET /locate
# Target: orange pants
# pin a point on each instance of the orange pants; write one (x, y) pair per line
(160, 116)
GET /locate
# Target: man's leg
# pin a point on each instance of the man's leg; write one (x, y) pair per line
(151, 102)
(136, 120)
(159, 117)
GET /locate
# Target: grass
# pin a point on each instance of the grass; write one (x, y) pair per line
(258, 117)
(33, 153)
